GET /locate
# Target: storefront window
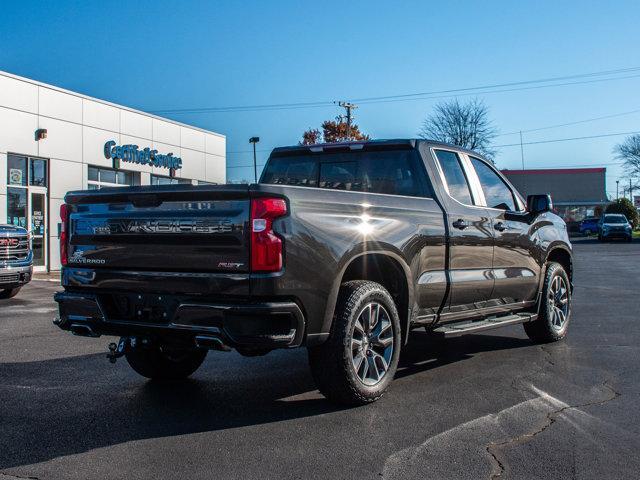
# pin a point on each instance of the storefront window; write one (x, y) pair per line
(105, 177)
(37, 172)
(17, 206)
(160, 180)
(16, 170)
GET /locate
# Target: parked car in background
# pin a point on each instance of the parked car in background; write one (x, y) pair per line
(342, 248)
(589, 226)
(614, 225)
(16, 260)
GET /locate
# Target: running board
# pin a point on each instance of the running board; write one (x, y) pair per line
(457, 329)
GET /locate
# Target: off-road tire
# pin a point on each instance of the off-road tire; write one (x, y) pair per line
(158, 364)
(9, 292)
(331, 362)
(542, 329)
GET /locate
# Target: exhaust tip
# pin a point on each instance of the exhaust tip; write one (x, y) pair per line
(211, 343)
(83, 330)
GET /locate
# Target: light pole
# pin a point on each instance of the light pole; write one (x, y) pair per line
(254, 140)
(617, 194)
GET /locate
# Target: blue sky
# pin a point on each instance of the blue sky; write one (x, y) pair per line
(165, 55)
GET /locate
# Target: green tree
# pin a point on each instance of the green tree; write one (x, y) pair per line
(625, 207)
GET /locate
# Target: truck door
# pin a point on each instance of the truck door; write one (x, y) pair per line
(515, 266)
(470, 236)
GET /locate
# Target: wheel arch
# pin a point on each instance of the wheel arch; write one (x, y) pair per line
(381, 266)
(561, 254)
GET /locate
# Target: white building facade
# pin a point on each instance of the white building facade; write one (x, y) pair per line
(53, 141)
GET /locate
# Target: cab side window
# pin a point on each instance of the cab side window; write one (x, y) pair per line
(454, 175)
(496, 192)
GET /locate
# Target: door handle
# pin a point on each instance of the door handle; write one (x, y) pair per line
(501, 227)
(460, 224)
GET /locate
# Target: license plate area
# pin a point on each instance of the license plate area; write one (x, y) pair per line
(139, 308)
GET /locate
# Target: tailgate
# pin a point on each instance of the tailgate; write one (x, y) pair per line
(182, 228)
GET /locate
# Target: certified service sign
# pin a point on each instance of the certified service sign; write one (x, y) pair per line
(130, 153)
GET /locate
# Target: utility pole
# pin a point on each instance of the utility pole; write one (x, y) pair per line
(630, 191)
(348, 107)
(254, 140)
(617, 191)
(521, 150)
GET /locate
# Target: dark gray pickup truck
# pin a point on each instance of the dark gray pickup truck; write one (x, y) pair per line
(342, 248)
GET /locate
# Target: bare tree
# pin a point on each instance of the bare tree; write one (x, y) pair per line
(629, 152)
(464, 124)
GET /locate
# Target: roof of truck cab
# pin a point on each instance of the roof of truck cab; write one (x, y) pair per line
(389, 143)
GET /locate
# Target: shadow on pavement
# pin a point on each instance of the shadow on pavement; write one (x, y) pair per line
(66, 406)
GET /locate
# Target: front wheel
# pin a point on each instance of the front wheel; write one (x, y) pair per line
(359, 359)
(555, 307)
(164, 364)
(9, 292)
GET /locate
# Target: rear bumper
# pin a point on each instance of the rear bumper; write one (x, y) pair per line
(264, 325)
(13, 276)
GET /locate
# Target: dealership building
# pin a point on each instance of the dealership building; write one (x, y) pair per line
(577, 193)
(53, 141)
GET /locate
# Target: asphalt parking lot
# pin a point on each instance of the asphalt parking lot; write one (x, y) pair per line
(482, 406)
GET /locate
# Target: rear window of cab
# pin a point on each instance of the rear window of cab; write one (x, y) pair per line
(388, 172)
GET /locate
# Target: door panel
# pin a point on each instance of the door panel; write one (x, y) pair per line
(515, 269)
(514, 266)
(470, 258)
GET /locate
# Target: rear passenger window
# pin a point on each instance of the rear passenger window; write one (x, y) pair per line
(389, 172)
(454, 176)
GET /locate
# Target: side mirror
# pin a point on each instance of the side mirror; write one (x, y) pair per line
(537, 204)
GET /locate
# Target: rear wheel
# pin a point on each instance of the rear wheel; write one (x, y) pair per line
(359, 359)
(587, 232)
(9, 292)
(164, 364)
(555, 308)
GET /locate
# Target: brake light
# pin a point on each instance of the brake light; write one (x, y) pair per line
(64, 233)
(266, 246)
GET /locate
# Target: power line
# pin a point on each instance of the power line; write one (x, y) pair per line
(587, 120)
(566, 139)
(508, 84)
(484, 89)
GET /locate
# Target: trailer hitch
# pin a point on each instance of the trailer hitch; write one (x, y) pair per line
(126, 344)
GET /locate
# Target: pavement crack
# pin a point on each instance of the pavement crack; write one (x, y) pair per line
(499, 462)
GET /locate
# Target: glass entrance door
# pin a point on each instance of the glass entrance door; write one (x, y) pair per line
(27, 181)
(37, 222)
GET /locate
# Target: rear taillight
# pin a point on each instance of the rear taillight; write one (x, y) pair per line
(266, 246)
(64, 233)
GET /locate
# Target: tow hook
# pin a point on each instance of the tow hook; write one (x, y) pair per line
(118, 350)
